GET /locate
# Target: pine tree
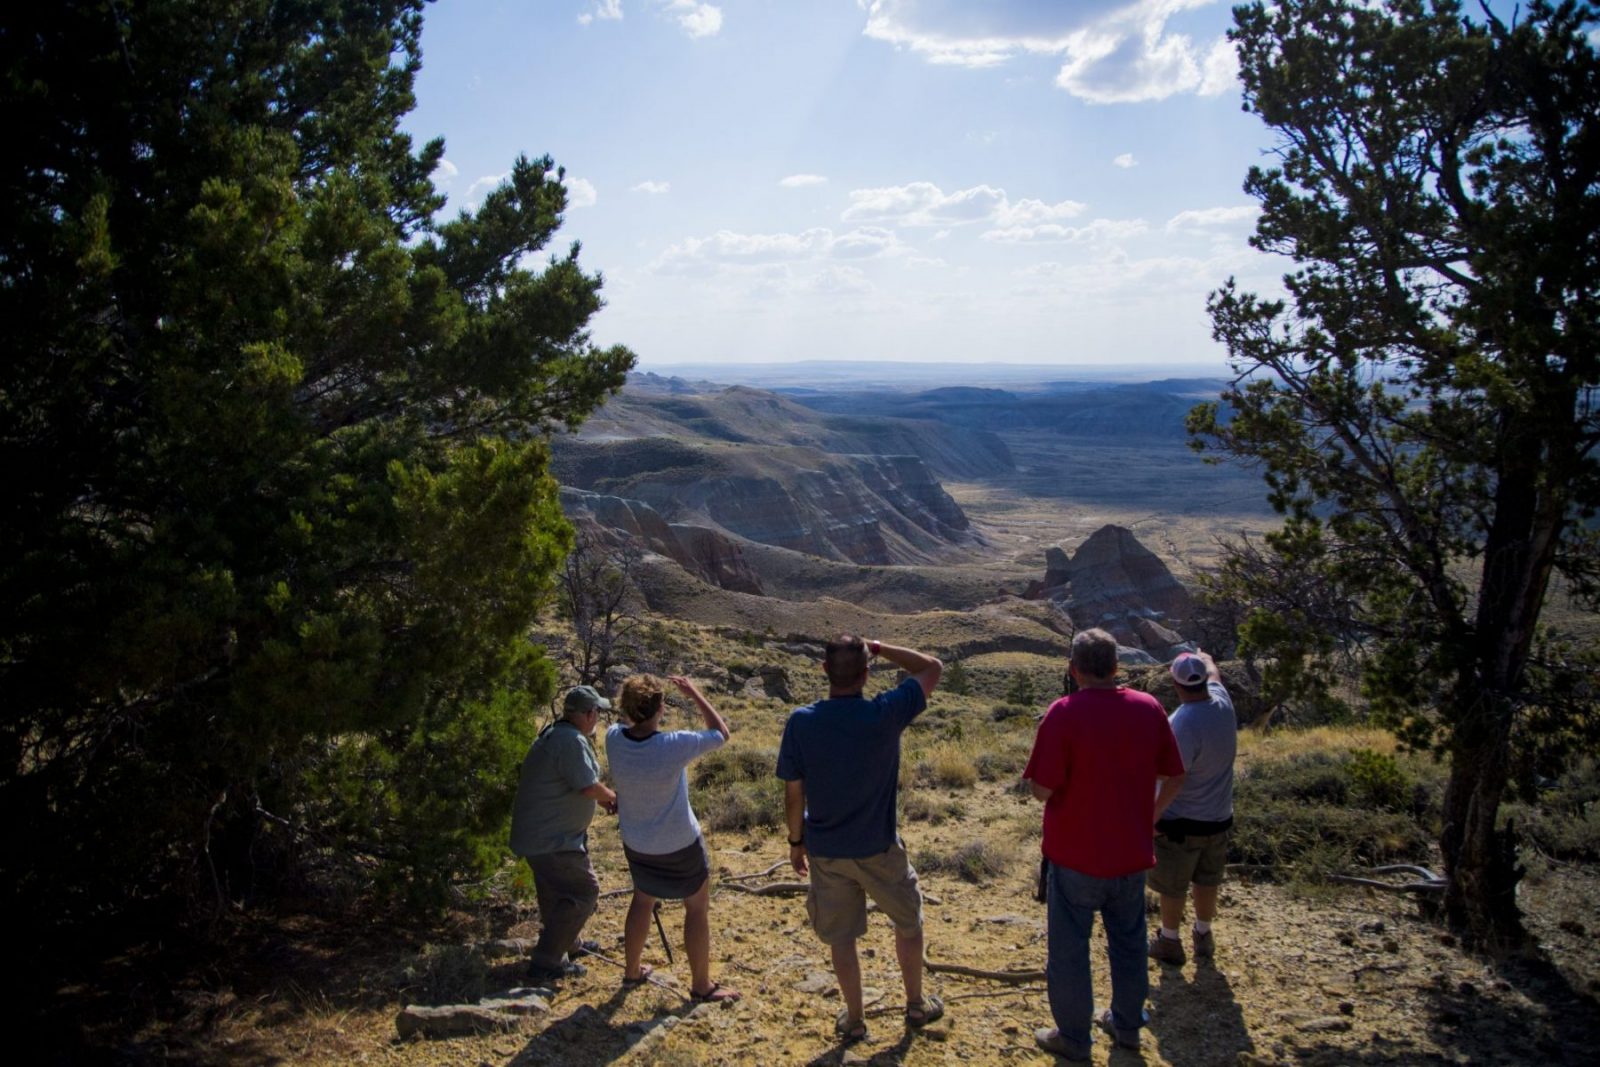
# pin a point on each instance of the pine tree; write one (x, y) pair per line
(1424, 403)
(278, 513)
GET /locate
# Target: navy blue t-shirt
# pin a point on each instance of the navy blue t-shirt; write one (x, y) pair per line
(847, 750)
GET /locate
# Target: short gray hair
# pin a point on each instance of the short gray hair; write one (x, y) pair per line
(1094, 653)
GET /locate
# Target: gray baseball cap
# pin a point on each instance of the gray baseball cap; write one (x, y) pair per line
(584, 698)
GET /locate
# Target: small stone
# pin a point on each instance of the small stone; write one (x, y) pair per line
(816, 982)
(936, 1033)
(1391, 945)
(1374, 927)
(1326, 1025)
(453, 1020)
(1346, 937)
(870, 953)
(1572, 926)
(1346, 1008)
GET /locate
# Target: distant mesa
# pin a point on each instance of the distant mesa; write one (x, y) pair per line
(1119, 585)
(754, 465)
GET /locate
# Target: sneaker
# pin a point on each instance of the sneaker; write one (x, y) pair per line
(1050, 1040)
(1124, 1038)
(1205, 946)
(538, 972)
(584, 948)
(1167, 949)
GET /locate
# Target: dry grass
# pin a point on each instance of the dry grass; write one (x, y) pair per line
(1256, 746)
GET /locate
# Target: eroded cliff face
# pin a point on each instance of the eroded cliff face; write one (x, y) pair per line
(705, 553)
(866, 509)
(1119, 585)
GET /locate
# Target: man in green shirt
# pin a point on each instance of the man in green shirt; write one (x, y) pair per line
(556, 796)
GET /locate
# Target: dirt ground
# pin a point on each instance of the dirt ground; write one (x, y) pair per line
(1349, 977)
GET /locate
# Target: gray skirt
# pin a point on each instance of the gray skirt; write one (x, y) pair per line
(671, 875)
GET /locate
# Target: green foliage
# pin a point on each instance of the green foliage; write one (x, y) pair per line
(1316, 814)
(734, 788)
(1562, 818)
(446, 974)
(1021, 690)
(1376, 781)
(955, 680)
(1422, 402)
(278, 509)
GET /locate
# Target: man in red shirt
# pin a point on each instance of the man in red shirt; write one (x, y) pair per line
(1106, 765)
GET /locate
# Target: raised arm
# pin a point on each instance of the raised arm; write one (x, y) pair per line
(924, 668)
(713, 718)
(1212, 674)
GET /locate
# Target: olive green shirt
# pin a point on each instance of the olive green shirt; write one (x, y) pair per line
(551, 814)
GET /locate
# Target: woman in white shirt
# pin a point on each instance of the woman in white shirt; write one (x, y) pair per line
(660, 835)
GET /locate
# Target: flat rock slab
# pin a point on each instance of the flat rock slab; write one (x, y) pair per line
(526, 1004)
(506, 946)
(453, 1020)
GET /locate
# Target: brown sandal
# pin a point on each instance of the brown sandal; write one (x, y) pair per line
(717, 994)
(645, 971)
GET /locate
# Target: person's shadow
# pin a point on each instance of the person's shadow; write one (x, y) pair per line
(1197, 1021)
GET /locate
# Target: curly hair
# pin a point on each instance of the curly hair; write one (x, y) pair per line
(641, 697)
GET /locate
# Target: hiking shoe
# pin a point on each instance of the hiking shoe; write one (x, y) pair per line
(1205, 946)
(539, 972)
(1167, 949)
(1124, 1038)
(1050, 1040)
(585, 947)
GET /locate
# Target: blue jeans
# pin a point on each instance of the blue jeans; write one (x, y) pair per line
(1072, 901)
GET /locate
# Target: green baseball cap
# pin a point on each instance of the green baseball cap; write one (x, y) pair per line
(584, 698)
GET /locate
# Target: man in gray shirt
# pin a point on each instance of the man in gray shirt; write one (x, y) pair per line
(556, 796)
(1192, 835)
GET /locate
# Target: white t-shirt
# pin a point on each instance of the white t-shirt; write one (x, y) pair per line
(653, 788)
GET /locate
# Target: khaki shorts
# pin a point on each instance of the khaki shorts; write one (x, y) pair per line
(837, 902)
(1200, 860)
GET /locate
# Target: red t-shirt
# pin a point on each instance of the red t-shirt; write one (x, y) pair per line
(1101, 751)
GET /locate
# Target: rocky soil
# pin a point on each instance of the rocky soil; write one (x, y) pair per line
(1346, 977)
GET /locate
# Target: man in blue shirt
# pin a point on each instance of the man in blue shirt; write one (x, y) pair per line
(1192, 836)
(840, 761)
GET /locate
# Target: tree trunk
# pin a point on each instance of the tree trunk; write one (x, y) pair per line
(1481, 896)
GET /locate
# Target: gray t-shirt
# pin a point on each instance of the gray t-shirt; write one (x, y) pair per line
(1208, 736)
(653, 812)
(551, 814)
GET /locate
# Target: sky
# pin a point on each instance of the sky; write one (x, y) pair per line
(1024, 181)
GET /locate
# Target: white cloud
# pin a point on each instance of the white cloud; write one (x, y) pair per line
(444, 170)
(1034, 212)
(797, 181)
(924, 204)
(1220, 71)
(653, 188)
(1126, 160)
(483, 186)
(580, 192)
(603, 9)
(1206, 218)
(838, 281)
(1112, 50)
(697, 19)
(1055, 233)
(727, 249)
